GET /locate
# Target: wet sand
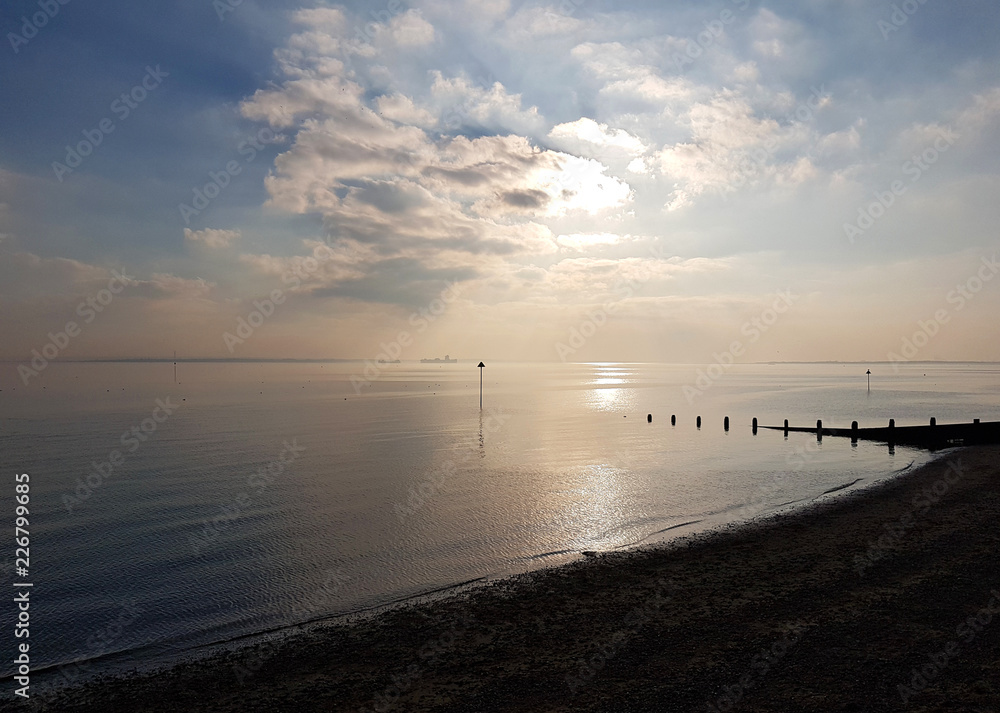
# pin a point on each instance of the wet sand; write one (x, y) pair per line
(858, 604)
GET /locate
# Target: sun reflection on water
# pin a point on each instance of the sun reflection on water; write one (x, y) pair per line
(609, 390)
(601, 501)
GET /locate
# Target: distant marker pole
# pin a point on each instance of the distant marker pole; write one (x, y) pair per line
(869, 372)
(481, 367)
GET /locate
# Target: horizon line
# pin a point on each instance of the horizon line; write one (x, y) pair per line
(316, 360)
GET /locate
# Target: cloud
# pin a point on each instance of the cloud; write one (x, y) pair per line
(167, 285)
(320, 265)
(630, 77)
(384, 182)
(211, 237)
(585, 241)
(587, 136)
(983, 114)
(532, 23)
(732, 145)
(773, 36)
(592, 280)
(410, 29)
(461, 103)
(401, 109)
(24, 276)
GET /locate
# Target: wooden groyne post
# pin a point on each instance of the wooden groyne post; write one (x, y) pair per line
(933, 437)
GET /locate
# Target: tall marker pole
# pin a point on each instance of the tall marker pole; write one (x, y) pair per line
(481, 367)
(869, 372)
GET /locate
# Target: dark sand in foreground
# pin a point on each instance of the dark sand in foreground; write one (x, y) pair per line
(775, 616)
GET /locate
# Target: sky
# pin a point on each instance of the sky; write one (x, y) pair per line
(575, 180)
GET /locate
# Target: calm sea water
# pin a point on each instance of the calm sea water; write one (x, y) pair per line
(251, 497)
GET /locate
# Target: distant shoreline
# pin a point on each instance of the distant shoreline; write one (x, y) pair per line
(847, 597)
(264, 360)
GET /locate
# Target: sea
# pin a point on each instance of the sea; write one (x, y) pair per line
(173, 512)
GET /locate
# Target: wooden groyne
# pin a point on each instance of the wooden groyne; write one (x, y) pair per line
(933, 436)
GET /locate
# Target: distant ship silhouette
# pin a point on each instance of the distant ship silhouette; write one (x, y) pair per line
(447, 360)
(394, 361)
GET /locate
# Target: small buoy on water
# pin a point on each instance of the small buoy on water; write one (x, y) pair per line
(649, 418)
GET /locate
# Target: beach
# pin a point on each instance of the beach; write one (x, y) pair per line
(859, 603)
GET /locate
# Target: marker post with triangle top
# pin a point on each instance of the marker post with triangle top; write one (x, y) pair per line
(481, 367)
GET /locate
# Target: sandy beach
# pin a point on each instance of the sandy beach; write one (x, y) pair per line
(879, 600)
